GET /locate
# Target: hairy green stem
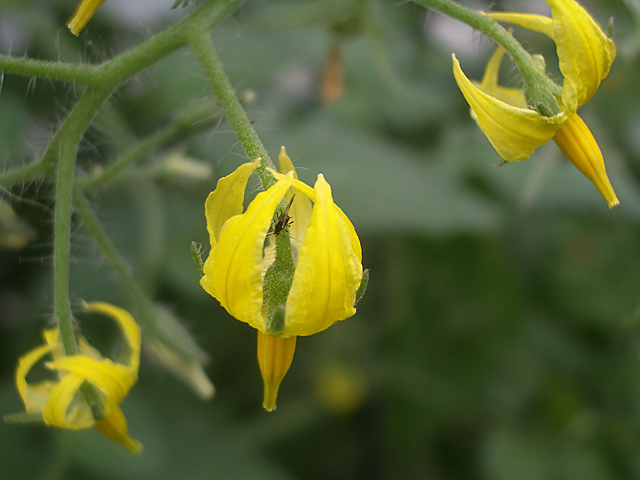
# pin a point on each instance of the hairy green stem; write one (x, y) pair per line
(125, 66)
(110, 74)
(67, 72)
(24, 174)
(540, 91)
(200, 41)
(69, 136)
(62, 245)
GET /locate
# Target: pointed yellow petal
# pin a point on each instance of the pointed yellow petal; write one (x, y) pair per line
(115, 427)
(300, 211)
(328, 270)
(274, 356)
(489, 84)
(577, 143)
(585, 53)
(83, 14)
(113, 380)
(55, 411)
(33, 396)
(227, 199)
(536, 23)
(355, 240)
(127, 324)
(309, 193)
(286, 165)
(233, 271)
(514, 132)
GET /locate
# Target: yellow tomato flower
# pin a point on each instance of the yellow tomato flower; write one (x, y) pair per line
(60, 402)
(585, 55)
(83, 14)
(247, 269)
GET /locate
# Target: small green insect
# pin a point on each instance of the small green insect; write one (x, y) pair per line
(284, 220)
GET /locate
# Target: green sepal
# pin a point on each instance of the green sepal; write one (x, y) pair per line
(23, 417)
(363, 286)
(197, 259)
(277, 283)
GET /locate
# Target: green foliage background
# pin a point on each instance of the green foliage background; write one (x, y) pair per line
(499, 337)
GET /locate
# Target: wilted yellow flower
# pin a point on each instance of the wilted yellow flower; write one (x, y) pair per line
(60, 402)
(83, 14)
(284, 284)
(585, 55)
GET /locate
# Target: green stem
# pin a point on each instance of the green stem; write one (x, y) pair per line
(161, 45)
(201, 43)
(130, 63)
(61, 247)
(540, 91)
(69, 136)
(66, 72)
(24, 174)
(193, 120)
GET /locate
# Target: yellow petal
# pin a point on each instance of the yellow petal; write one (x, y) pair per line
(577, 143)
(128, 326)
(309, 193)
(286, 165)
(328, 271)
(33, 396)
(83, 14)
(52, 338)
(489, 84)
(300, 211)
(585, 53)
(274, 356)
(115, 427)
(536, 23)
(355, 240)
(227, 199)
(113, 380)
(514, 132)
(233, 271)
(56, 410)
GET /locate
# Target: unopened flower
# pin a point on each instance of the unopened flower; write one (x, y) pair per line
(299, 281)
(83, 14)
(15, 233)
(61, 403)
(585, 55)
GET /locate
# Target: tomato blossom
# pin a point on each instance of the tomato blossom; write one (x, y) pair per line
(298, 280)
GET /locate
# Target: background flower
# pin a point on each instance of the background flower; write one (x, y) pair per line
(62, 403)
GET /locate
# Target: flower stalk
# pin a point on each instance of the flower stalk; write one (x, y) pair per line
(69, 136)
(201, 44)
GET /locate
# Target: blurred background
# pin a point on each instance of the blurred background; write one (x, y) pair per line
(499, 337)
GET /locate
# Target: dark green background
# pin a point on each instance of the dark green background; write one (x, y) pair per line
(499, 337)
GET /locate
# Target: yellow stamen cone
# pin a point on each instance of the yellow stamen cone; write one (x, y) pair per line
(275, 356)
(576, 141)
